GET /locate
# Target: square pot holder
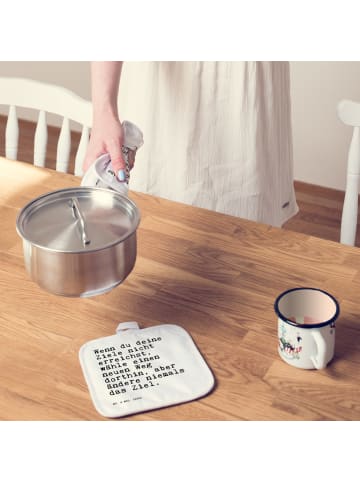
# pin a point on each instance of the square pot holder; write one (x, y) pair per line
(137, 370)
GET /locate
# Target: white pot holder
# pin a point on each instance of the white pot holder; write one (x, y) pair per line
(143, 369)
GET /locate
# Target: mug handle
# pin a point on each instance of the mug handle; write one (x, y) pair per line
(319, 359)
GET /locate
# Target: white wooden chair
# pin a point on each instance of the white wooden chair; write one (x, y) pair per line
(349, 114)
(20, 92)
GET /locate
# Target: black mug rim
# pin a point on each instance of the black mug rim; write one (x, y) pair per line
(316, 325)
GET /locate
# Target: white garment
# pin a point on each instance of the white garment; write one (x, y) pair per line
(216, 135)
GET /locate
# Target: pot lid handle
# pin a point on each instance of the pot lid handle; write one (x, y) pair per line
(74, 204)
(127, 325)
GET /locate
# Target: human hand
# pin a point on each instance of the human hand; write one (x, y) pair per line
(107, 137)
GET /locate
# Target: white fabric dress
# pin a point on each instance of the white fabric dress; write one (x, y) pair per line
(216, 135)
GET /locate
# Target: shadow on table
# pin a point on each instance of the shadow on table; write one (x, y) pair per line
(346, 348)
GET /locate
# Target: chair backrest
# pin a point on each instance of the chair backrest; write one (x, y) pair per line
(19, 92)
(349, 114)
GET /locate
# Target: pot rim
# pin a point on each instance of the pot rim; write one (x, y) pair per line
(27, 206)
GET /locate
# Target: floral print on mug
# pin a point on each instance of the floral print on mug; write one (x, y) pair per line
(290, 347)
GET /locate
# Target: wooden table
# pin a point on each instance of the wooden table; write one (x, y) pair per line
(216, 276)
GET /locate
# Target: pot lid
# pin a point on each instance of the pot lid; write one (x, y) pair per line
(78, 219)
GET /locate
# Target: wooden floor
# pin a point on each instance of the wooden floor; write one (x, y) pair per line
(320, 208)
(320, 212)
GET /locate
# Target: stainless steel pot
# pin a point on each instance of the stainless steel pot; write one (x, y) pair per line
(79, 241)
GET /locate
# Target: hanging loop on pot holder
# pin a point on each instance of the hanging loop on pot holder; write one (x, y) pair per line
(137, 370)
(127, 325)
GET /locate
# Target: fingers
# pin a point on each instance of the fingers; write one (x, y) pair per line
(117, 161)
(121, 161)
(122, 164)
(90, 157)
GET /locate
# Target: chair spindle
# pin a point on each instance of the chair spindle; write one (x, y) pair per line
(63, 147)
(12, 134)
(40, 140)
(80, 155)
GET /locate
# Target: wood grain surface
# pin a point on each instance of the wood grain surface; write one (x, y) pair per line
(216, 276)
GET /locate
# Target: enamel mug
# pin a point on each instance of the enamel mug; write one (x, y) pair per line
(306, 327)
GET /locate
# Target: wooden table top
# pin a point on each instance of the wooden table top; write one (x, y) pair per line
(216, 276)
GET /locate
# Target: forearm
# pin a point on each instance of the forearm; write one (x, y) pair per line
(105, 79)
